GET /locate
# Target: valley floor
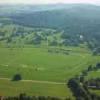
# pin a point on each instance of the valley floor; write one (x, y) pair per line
(43, 72)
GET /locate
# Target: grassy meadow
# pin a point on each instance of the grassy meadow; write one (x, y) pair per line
(39, 64)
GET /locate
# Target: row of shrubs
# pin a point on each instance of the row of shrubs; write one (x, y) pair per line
(23, 96)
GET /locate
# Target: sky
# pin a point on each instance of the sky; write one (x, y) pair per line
(49, 1)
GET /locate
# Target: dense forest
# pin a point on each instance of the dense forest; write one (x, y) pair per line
(78, 23)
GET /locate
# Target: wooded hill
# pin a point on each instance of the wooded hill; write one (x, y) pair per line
(74, 20)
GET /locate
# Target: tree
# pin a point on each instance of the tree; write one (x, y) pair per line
(98, 65)
(16, 77)
(54, 43)
(22, 96)
(90, 68)
(82, 79)
(37, 39)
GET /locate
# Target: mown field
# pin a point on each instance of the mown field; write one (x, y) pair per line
(8, 88)
(41, 65)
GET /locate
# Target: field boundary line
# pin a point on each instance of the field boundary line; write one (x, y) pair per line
(37, 81)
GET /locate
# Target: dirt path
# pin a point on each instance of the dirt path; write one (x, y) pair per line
(36, 81)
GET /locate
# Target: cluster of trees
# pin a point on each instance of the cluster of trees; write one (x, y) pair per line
(37, 39)
(71, 40)
(96, 50)
(92, 68)
(19, 34)
(81, 91)
(52, 37)
(85, 72)
(80, 87)
(62, 51)
(93, 83)
(78, 90)
(24, 35)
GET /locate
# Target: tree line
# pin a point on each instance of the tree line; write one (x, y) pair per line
(80, 87)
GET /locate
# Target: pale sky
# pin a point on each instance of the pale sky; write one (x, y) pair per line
(49, 1)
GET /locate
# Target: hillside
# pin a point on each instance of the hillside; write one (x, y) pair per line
(50, 51)
(73, 20)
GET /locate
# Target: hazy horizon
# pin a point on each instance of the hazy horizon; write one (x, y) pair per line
(96, 2)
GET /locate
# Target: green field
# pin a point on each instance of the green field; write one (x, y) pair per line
(51, 49)
(38, 64)
(8, 88)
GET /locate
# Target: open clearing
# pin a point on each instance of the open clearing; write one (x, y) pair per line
(50, 70)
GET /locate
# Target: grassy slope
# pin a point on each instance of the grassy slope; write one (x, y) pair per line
(38, 64)
(14, 88)
(41, 65)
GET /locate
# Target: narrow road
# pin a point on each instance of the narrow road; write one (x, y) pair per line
(36, 81)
